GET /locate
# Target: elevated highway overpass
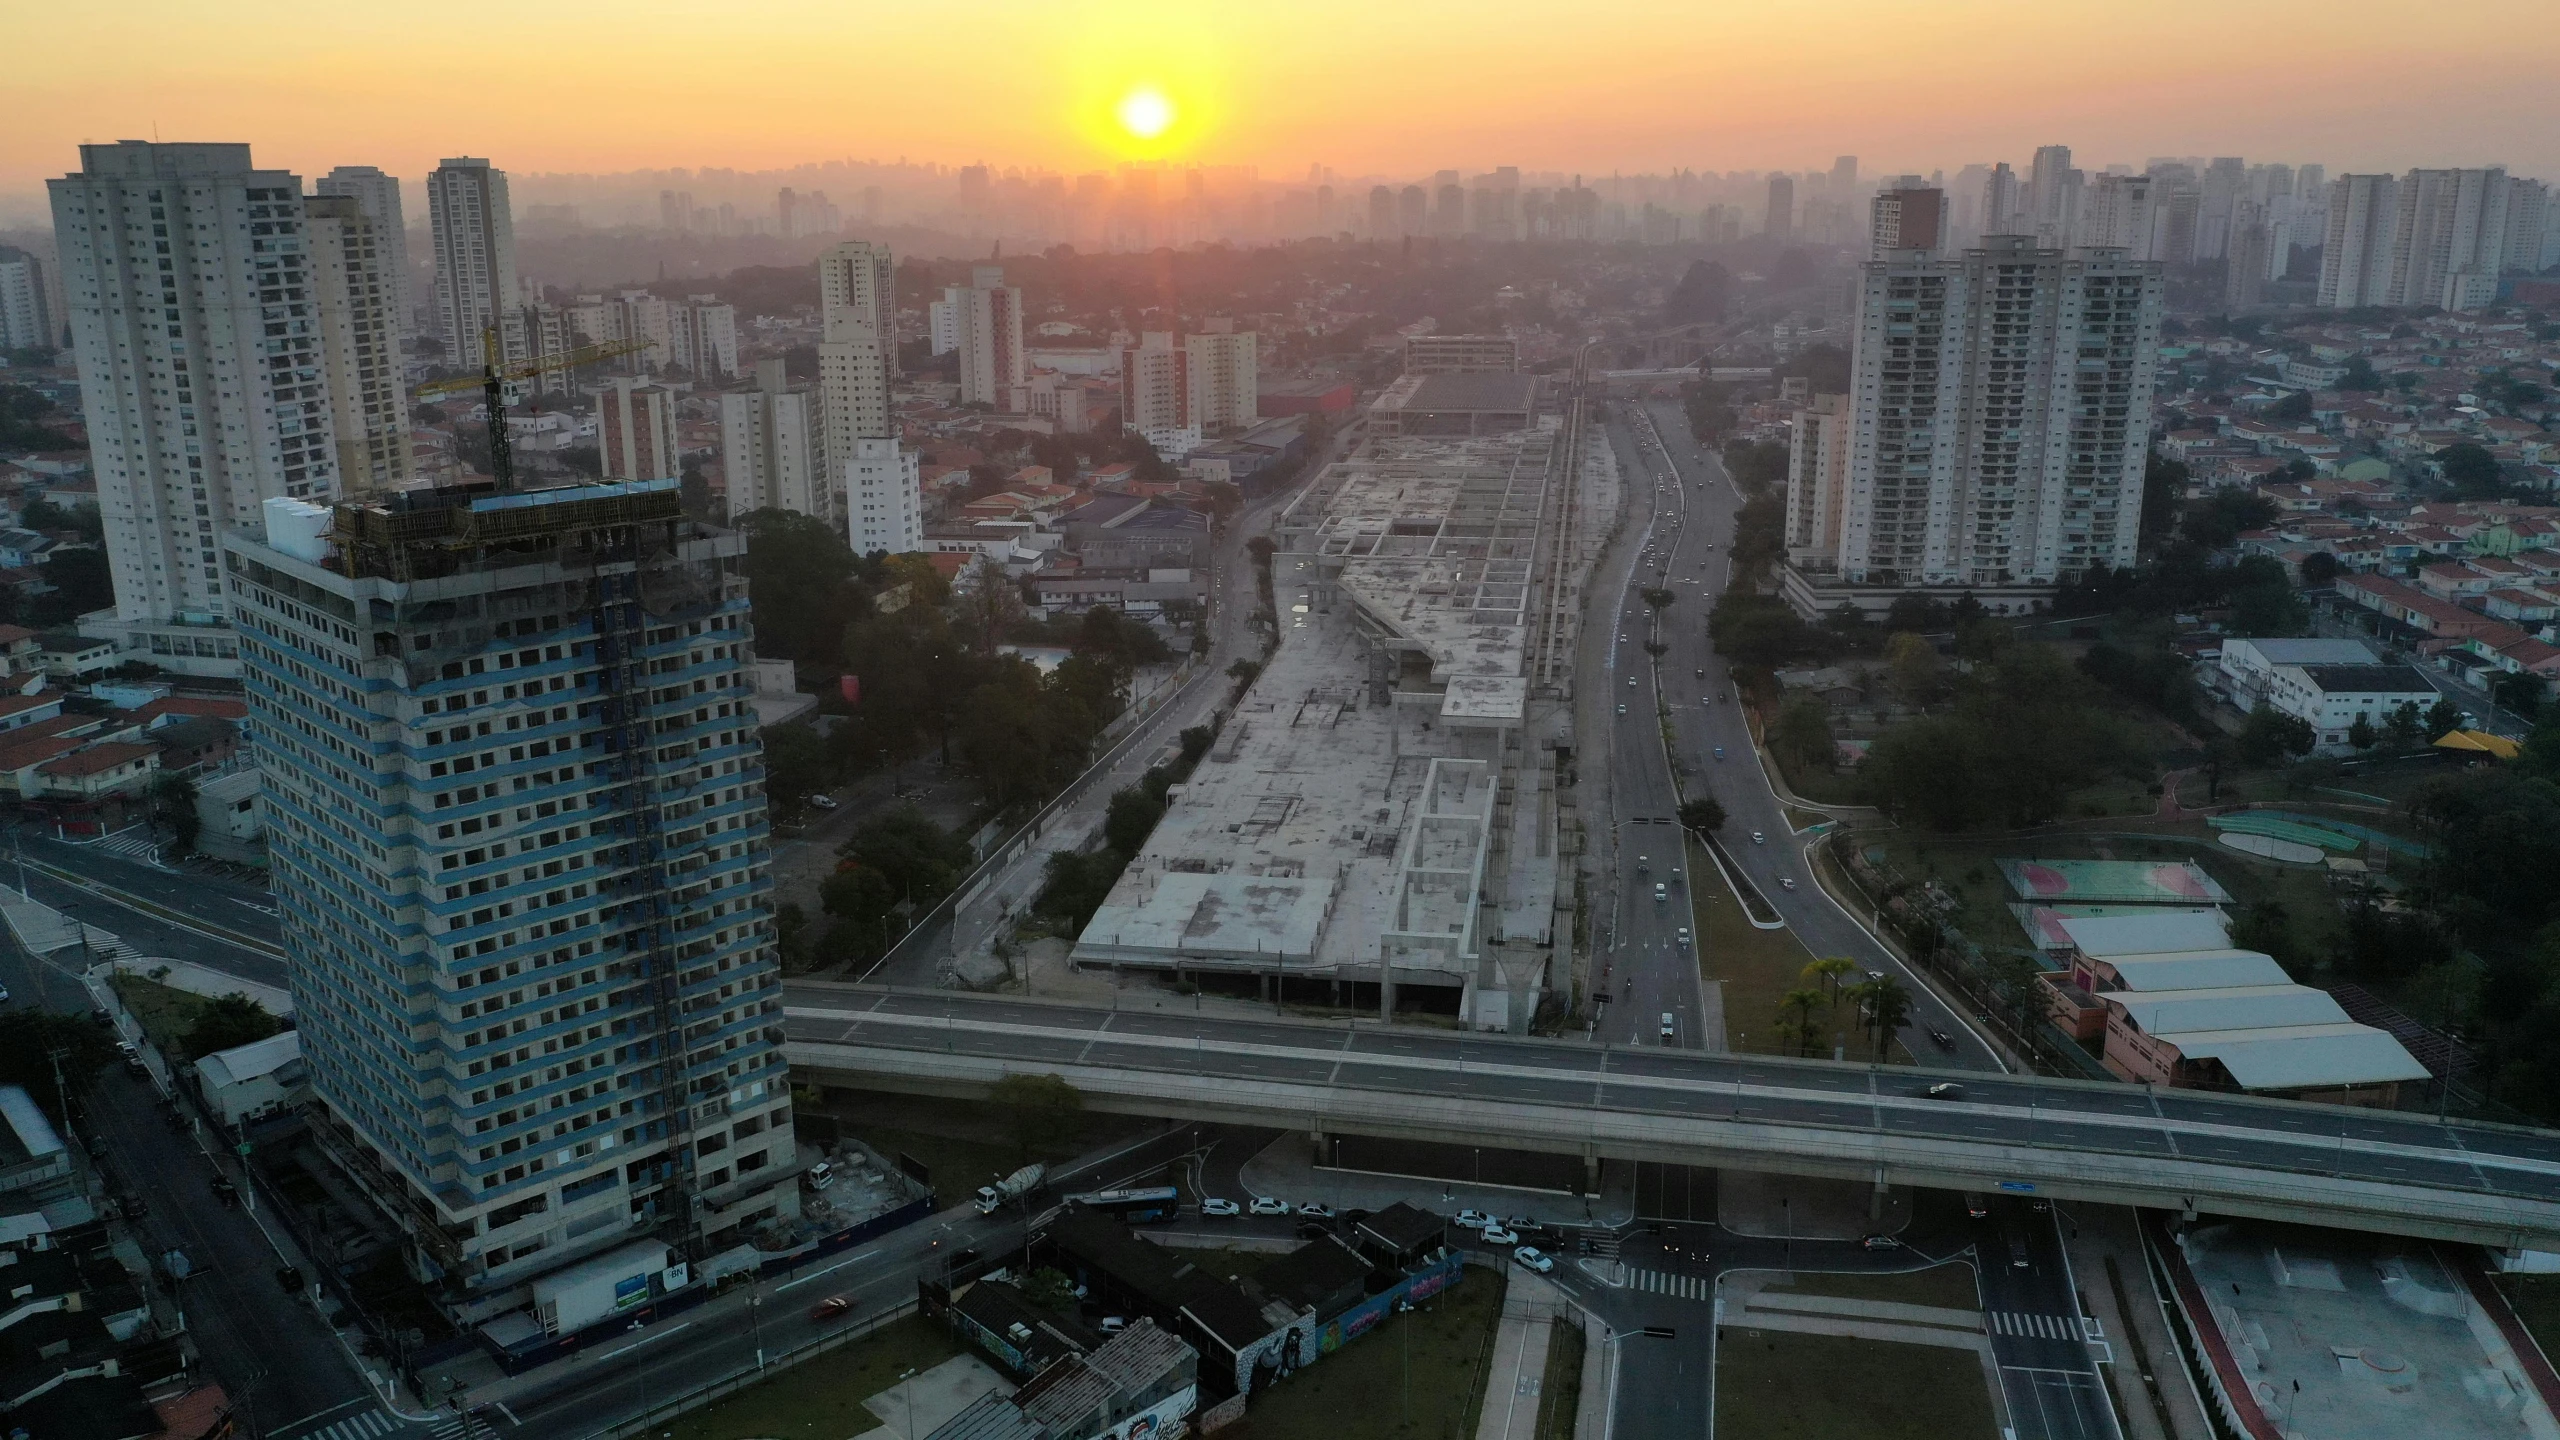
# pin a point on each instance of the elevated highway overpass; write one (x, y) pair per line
(2179, 1150)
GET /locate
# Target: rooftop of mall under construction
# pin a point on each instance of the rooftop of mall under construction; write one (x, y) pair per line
(1379, 816)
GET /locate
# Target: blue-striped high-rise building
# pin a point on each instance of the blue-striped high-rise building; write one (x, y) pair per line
(517, 821)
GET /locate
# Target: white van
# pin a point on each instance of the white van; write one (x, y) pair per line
(1670, 1026)
(819, 1176)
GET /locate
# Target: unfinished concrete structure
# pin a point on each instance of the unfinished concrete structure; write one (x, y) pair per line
(1380, 814)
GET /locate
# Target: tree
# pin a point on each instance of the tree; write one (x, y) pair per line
(2164, 493)
(2360, 375)
(1802, 736)
(1795, 1010)
(796, 765)
(2520, 691)
(1075, 883)
(227, 1021)
(81, 583)
(2497, 838)
(800, 585)
(1130, 819)
(2361, 734)
(2443, 718)
(1829, 973)
(862, 897)
(1704, 292)
(2270, 735)
(23, 413)
(1044, 1111)
(173, 804)
(1913, 664)
(1885, 1006)
(923, 860)
(1703, 813)
(30, 1038)
(2405, 727)
(2294, 407)
(2471, 470)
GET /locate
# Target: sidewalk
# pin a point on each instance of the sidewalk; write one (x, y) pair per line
(1515, 1377)
(2149, 1373)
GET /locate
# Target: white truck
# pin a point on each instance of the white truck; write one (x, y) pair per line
(992, 1198)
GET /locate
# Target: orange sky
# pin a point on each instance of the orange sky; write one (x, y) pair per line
(1399, 87)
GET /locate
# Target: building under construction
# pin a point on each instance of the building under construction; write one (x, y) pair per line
(517, 817)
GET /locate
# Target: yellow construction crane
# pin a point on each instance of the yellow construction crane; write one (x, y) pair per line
(492, 382)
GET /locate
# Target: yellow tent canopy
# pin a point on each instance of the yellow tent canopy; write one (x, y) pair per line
(2480, 742)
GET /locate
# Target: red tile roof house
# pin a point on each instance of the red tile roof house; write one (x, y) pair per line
(94, 772)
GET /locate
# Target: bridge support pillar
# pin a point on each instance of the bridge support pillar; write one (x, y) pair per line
(1876, 1197)
(1590, 1174)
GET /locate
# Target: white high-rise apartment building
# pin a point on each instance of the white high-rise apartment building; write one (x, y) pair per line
(772, 446)
(1155, 393)
(704, 331)
(2356, 253)
(2116, 213)
(475, 252)
(884, 498)
(857, 351)
(26, 312)
(2052, 192)
(1817, 481)
(379, 194)
(360, 343)
(2430, 237)
(942, 326)
(1998, 421)
(203, 374)
(988, 315)
(1226, 377)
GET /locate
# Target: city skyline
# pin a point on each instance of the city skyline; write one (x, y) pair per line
(1634, 87)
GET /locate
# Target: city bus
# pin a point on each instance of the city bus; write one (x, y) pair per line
(1148, 1206)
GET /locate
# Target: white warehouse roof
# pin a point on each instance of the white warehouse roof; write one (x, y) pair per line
(2196, 970)
(2106, 937)
(2303, 1056)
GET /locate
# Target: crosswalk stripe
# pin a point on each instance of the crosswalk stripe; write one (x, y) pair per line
(2035, 1325)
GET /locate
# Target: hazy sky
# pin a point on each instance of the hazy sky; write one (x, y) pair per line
(1399, 87)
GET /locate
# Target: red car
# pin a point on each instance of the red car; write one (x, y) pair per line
(834, 1307)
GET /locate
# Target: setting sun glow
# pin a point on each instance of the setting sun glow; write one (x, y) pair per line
(1145, 113)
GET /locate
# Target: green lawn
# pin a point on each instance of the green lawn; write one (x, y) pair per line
(1948, 1287)
(1561, 1395)
(821, 1398)
(1776, 1385)
(1366, 1391)
(965, 1143)
(1754, 966)
(164, 1012)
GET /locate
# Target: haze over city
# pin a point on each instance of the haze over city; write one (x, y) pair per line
(1432, 721)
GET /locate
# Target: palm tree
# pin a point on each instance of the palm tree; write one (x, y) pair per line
(1828, 973)
(1803, 1002)
(1884, 1005)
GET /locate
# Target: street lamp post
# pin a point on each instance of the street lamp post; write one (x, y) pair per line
(755, 1325)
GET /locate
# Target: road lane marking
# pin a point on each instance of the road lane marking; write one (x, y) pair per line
(830, 1270)
(645, 1339)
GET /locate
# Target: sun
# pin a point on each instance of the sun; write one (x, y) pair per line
(1145, 113)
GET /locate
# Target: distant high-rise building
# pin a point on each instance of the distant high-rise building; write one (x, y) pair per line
(1382, 212)
(883, 499)
(1780, 222)
(1412, 210)
(2224, 184)
(2449, 238)
(1226, 377)
(379, 194)
(2049, 186)
(636, 431)
(1843, 183)
(1998, 421)
(2116, 212)
(675, 210)
(857, 351)
(474, 231)
(2533, 228)
(26, 311)
(2001, 201)
(1817, 481)
(1907, 219)
(527, 919)
(772, 446)
(2356, 266)
(703, 333)
(1449, 206)
(1155, 393)
(357, 308)
(942, 326)
(988, 316)
(2244, 281)
(203, 374)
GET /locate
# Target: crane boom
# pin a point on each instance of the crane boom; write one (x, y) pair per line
(492, 382)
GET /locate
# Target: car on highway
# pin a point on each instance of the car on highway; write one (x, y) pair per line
(1622, 709)
(1681, 936)
(1786, 882)
(1659, 893)
(1211, 1207)
(1265, 1205)
(1472, 1220)
(1719, 752)
(1530, 1257)
(1879, 1242)
(1757, 838)
(834, 1307)
(823, 802)
(1944, 1040)
(1631, 682)
(1702, 672)
(1670, 1025)
(1497, 1236)
(1945, 1090)
(1316, 1210)
(1643, 863)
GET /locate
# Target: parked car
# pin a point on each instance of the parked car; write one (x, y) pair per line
(1529, 1257)
(1316, 1210)
(1214, 1208)
(823, 802)
(1265, 1205)
(1472, 1220)
(1879, 1242)
(1498, 1236)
